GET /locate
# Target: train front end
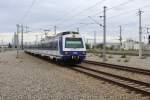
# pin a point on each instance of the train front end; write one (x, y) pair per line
(73, 48)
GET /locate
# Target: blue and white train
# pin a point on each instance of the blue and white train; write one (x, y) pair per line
(68, 47)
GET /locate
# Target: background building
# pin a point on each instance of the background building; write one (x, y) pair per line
(130, 44)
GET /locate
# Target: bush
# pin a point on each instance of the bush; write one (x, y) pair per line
(123, 56)
(143, 57)
(101, 55)
(118, 60)
(126, 60)
(87, 46)
(110, 56)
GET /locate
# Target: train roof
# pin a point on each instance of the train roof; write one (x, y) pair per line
(59, 34)
(67, 32)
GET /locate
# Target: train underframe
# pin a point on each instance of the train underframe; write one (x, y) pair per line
(73, 59)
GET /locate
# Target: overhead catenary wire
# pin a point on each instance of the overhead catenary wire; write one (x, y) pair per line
(84, 10)
(129, 11)
(28, 11)
(75, 15)
(133, 10)
(121, 4)
(115, 16)
(146, 6)
(116, 6)
(69, 12)
(33, 2)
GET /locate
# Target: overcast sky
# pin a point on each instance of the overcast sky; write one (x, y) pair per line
(69, 14)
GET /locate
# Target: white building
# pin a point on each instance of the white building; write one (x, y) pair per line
(130, 44)
(113, 45)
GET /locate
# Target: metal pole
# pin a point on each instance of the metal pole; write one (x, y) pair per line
(140, 34)
(41, 39)
(2, 41)
(18, 26)
(36, 40)
(104, 36)
(120, 37)
(147, 30)
(22, 37)
(55, 28)
(149, 39)
(26, 27)
(78, 30)
(94, 39)
(148, 35)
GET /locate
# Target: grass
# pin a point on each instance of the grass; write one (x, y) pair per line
(110, 56)
(118, 60)
(126, 60)
(123, 56)
(143, 57)
(101, 55)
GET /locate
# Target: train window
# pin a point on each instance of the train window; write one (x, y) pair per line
(73, 43)
(56, 45)
(53, 45)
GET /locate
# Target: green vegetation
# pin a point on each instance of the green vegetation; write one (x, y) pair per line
(9, 45)
(118, 60)
(143, 57)
(101, 55)
(126, 60)
(123, 56)
(110, 56)
(87, 46)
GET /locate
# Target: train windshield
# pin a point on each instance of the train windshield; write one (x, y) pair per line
(73, 43)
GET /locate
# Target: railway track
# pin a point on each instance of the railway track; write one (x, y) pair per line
(119, 67)
(131, 84)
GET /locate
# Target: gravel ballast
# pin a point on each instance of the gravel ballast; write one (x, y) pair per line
(31, 78)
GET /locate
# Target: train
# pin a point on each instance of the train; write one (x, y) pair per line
(68, 47)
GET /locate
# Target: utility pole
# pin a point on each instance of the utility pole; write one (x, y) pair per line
(55, 28)
(41, 40)
(2, 43)
(27, 29)
(148, 35)
(22, 36)
(104, 35)
(144, 39)
(36, 40)
(120, 37)
(46, 33)
(104, 32)
(18, 28)
(148, 30)
(149, 39)
(94, 39)
(78, 30)
(140, 34)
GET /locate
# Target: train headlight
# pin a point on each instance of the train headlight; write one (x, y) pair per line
(66, 52)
